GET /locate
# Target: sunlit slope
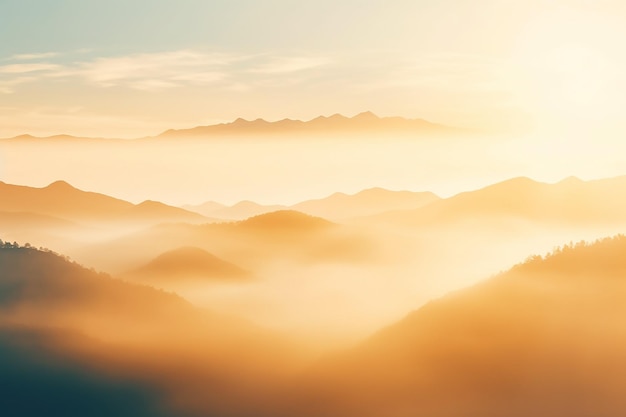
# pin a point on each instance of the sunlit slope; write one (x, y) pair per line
(571, 202)
(61, 200)
(545, 338)
(364, 203)
(240, 211)
(337, 206)
(188, 264)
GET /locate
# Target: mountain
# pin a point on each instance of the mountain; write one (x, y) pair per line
(205, 208)
(568, 202)
(83, 343)
(287, 221)
(338, 206)
(250, 243)
(366, 122)
(188, 263)
(364, 203)
(244, 209)
(63, 201)
(544, 339)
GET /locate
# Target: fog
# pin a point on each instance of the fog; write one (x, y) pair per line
(287, 169)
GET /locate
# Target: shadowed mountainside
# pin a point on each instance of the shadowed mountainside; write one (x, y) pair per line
(131, 349)
(545, 338)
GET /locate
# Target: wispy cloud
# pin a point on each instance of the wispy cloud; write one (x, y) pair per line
(25, 68)
(28, 57)
(168, 69)
(164, 70)
(8, 86)
(290, 64)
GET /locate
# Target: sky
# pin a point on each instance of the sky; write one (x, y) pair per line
(136, 68)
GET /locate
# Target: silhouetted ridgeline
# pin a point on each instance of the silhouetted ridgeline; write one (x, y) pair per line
(363, 123)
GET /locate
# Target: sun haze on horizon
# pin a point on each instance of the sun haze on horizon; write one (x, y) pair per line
(489, 64)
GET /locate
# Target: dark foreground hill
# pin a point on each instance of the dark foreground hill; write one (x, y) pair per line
(74, 342)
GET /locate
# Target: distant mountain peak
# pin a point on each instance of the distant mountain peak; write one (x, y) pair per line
(571, 180)
(367, 115)
(188, 260)
(149, 203)
(364, 122)
(25, 136)
(285, 219)
(59, 185)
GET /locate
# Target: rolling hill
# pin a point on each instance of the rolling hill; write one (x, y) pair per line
(250, 243)
(187, 263)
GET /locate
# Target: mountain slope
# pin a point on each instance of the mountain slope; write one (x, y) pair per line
(244, 209)
(188, 263)
(545, 338)
(61, 200)
(337, 206)
(364, 203)
(128, 349)
(568, 202)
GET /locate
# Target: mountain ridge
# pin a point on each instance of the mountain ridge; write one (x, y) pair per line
(337, 123)
(566, 201)
(361, 123)
(61, 199)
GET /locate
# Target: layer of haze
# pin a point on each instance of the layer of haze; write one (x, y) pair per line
(324, 282)
(287, 170)
(201, 316)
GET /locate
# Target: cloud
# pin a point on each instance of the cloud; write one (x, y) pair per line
(290, 65)
(24, 68)
(8, 86)
(162, 70)
(28, 57)
(168, 69)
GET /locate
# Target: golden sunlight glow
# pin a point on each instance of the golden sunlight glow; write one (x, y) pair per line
(568, 66)
(313, 209)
